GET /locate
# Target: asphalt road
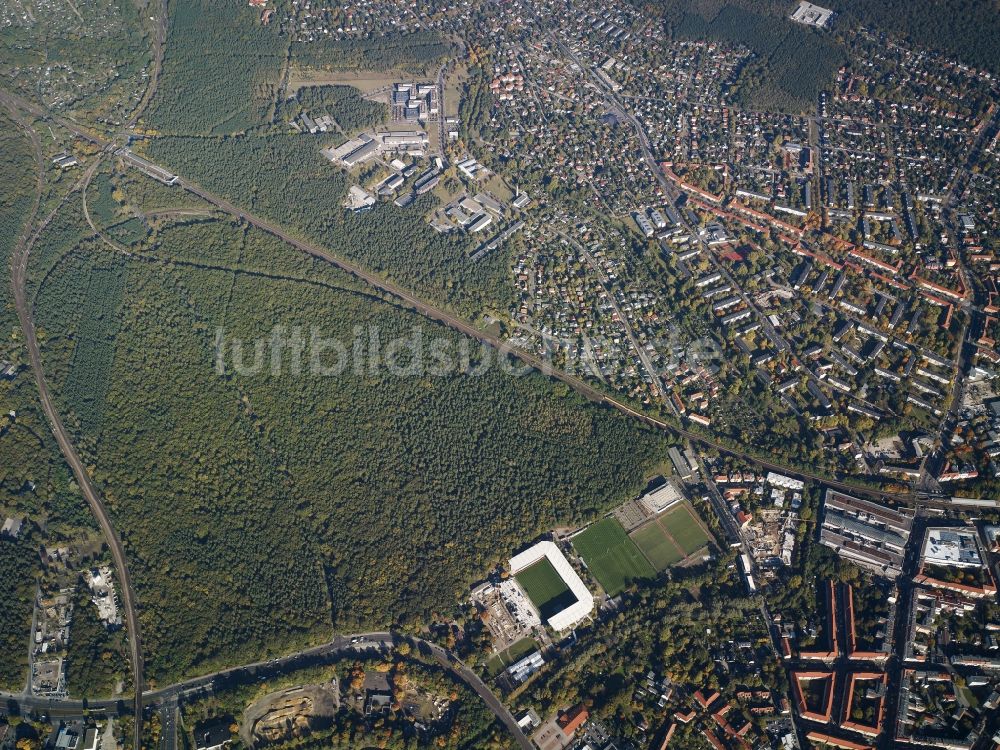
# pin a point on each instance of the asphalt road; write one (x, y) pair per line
(338, 646)
(411, 301)
(168, 724)
(465, 674)
(19, 266)
(456, 323)
(23, 307)
(166, 699)
(91, 494)
(642, 354)
(403, 295)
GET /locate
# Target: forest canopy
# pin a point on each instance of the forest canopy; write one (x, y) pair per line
(792, 63)
(277, 506)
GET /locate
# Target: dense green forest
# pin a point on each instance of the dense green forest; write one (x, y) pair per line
(968, 30)
(220, 69)
(285, 179)
(791, 63)
(343, 103)
(35, 483)
(275, 506)
(94, 343)
(416, 51)
(18, 566)
(95, 663)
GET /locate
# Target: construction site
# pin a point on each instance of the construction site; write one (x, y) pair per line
(290, 714)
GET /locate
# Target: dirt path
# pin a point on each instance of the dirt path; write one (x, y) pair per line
(159, 42)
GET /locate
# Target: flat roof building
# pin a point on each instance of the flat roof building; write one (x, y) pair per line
(658, 500)
(524, 668)
(11, 527)
(872, 536)
(212, 735)
(362, 153)
(956, 548)
(684, 469)
(812, 15)
(481, 223)
(780, 480)
(489, 203)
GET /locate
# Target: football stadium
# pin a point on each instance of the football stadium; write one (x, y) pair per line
(554, 588)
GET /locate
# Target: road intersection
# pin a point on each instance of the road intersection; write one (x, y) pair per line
(402, 295)
(166, 699)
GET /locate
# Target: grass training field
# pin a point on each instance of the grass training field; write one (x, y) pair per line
(682, 525)
(670, 538)
(611, 556)
(511, 655)
(545, 588)
(656, 546)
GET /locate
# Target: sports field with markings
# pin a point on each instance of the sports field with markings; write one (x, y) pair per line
(656, 546)
(611, 556)
(547, 591)
(671, 537)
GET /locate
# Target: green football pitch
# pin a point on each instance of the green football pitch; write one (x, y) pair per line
(611, 556)
(656, 546)
(685, 530)
(545, 588)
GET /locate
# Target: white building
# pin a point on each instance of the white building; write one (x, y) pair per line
(812, 15)
(661, 498)
(584, 604)
(11, 527)
(523, 669)
(955, 548)
(780, 480)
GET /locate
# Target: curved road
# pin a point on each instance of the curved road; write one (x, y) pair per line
(339, 646)
(19, 269)
(19, 273)
(456, 323)
(411, 301)
(69, 708)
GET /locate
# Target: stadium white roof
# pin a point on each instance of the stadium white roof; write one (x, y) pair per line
(566, 618)
(661, 498)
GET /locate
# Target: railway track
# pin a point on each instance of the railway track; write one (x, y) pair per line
(432, 312)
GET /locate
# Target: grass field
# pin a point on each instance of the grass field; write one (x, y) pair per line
(611, 556)
(545, 588)
(682, 525)
(365, 81)
(500, 661)
(656, 546)
(454, 87)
